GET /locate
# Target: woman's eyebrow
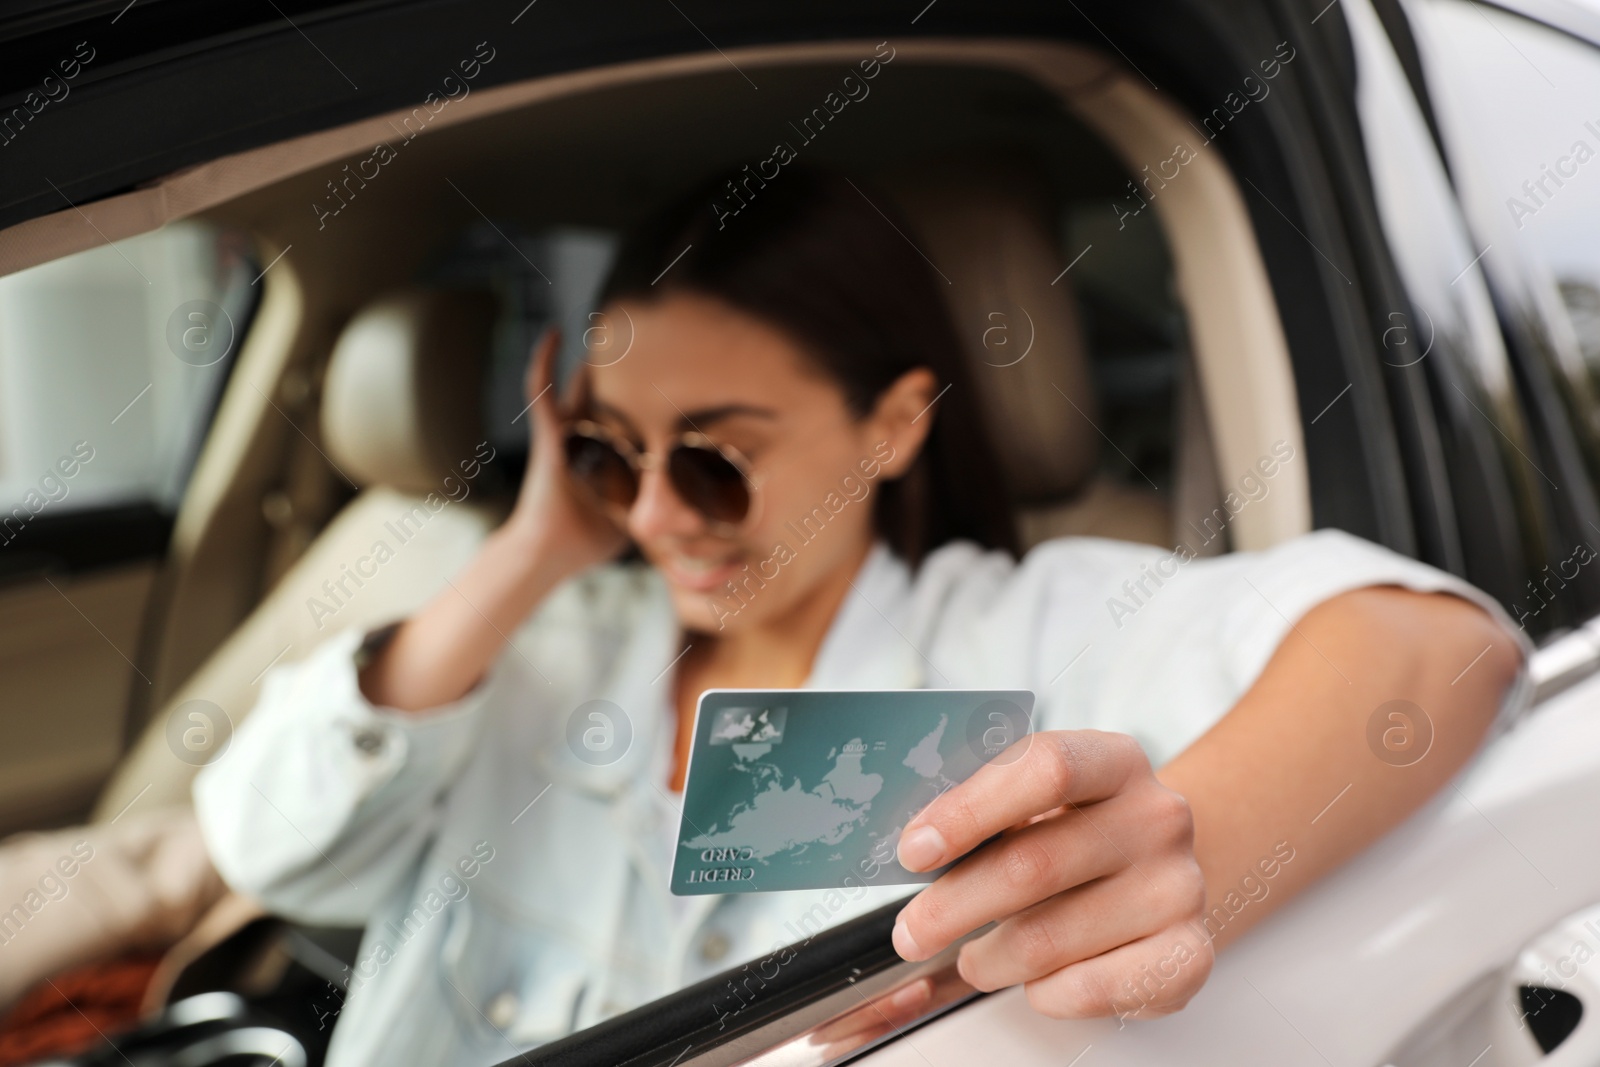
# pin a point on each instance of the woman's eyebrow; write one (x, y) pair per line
(705, 416)
(601, 409)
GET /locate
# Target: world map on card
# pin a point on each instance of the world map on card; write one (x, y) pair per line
(809, 789)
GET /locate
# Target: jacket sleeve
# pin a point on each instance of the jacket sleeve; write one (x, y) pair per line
(1159, 643)
(322, 804)
(1182, 639)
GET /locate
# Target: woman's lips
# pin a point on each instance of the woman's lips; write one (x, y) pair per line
(697, 575)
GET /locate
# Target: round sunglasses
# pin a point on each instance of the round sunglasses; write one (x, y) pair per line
(712, 479)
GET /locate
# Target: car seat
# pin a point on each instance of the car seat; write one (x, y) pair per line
(990, 228)
(399, 418)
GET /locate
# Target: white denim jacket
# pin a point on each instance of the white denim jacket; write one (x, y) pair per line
(512, 891)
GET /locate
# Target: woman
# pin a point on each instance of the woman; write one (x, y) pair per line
(435, 781)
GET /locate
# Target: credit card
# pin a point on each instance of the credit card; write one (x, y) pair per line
(810, 788)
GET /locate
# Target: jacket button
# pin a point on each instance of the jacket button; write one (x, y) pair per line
(502, 1010)
(368, 740)
(715, 946)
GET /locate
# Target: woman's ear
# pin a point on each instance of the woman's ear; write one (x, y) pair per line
(902, 417)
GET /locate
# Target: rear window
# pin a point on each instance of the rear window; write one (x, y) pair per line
(111, 362)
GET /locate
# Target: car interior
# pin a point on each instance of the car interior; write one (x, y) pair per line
(1135, 359)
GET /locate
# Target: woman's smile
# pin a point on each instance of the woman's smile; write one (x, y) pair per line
(697, 572)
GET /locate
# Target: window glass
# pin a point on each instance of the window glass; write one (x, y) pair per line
(1136, 335)
(1517, 105)
(110, 365)
(548, 277)
(1537, 98)
(1454, 340)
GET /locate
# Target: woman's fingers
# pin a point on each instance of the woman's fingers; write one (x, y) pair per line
(1090, 874)
(539, 387)
(577, 399)
(544, 417)
(1025, 866)
(542, 365)
(1153, 976)
(1061, 767)
(1084, 922)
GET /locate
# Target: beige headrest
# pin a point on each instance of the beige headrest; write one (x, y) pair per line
(990, 228)
(401, 400)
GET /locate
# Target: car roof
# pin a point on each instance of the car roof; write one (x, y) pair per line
(176, 83)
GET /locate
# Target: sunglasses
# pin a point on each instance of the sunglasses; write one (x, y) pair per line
(712, 479)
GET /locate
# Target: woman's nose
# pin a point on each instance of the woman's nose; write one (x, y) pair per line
(659, 511)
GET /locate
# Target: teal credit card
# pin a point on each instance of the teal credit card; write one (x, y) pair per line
(810, 788)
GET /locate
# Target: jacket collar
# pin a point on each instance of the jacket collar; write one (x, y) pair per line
(869, 645)
(633, 699)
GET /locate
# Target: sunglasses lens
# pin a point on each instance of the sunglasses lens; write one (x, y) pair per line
(709, 483)
(602, 468)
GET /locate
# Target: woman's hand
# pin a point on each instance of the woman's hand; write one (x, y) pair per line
(555, 530)
(558, 517)
(1093, 879)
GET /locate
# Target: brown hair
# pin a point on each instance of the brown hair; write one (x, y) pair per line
(807, 252)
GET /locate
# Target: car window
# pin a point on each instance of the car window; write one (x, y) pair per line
(1517, 99)
(109, 407)
(1137, 339)
(1450, 336)
(548, 277)
(1534, 93)
(168, 334)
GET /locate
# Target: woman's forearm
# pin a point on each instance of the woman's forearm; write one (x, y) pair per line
(443, 650)
(1288, 785)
